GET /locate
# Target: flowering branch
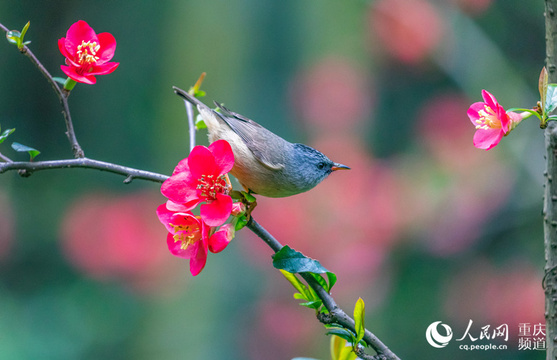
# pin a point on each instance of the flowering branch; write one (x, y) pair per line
(62, 96)
(218, 240)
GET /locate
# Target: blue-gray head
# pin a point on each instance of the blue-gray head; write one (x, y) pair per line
(312, 167)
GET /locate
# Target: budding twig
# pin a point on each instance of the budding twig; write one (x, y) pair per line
(336, 314)
(62, 96)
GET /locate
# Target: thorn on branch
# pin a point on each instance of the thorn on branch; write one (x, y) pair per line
(128, 179)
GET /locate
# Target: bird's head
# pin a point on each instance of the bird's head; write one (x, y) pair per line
(312, 166)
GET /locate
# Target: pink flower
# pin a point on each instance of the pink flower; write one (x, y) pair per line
(201, 178)
(491, 120)
(87, 54)
(220, 239)
(189, 237)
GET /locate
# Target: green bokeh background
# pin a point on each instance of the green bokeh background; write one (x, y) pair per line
(254, 53)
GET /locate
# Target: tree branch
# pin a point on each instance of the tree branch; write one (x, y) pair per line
(62, 96)
(27, 168)
(550, 191)
(336, 315)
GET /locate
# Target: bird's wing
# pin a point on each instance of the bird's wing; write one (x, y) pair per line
(257, 138)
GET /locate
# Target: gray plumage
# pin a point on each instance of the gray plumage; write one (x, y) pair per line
(264, 163)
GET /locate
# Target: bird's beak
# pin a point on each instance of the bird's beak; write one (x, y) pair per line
(337, 166)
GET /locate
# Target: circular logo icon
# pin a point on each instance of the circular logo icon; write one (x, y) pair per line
(434, 338)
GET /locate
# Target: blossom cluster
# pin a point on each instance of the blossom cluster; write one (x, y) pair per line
(200, 179)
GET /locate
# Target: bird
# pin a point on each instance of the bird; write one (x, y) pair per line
(264, 163)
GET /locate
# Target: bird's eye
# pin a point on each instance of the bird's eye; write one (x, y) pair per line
(321, 165)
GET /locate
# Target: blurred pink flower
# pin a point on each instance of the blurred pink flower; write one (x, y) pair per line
(332, 95)
(201, 178)
(7, 226)
(489, 295)
(491, 120)
(399, 25)
(117, 238)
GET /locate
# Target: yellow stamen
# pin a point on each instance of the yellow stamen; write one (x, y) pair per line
(87, 51)
(210, 186)
(185, 234)
(488, 119)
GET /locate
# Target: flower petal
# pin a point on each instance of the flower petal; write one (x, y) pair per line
(198, 262)
(224, 157)
(107, 44)
(103, 69)
(202, 162)
(182, 166)
(220, 240)
(473, 111)
(71, 72)
(216, 212)
(180, 188)
(69, 57)
(176, 207)
(77, 33)
(489, 99)
(487, 139)
(175, 248)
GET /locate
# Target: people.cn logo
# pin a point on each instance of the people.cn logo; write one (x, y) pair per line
(434, 338)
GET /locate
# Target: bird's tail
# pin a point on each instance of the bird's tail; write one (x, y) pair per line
(190, 98)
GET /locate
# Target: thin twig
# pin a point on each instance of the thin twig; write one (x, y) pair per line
(5, 158)
(27, 168)
(62, 96)
(191, 124)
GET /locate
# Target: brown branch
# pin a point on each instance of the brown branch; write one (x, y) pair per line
(26, 168)
(62, 96)
(550, 191)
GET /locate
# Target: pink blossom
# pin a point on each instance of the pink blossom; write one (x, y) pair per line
(190, 238)
(201, 177)
(87, 54)
(491, 120)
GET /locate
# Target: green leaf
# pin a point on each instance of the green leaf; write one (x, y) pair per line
(24, 148)
(298, 285)
(332, 280)
(313, 304)
(551, 98)
(59, 80)
(340, 350)
(241, 222)
(5, 134)
(295, 262)
(359, 315)
(542, 86)
(343, 333)
(249, 197)
(199, 122)
(24, 30)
